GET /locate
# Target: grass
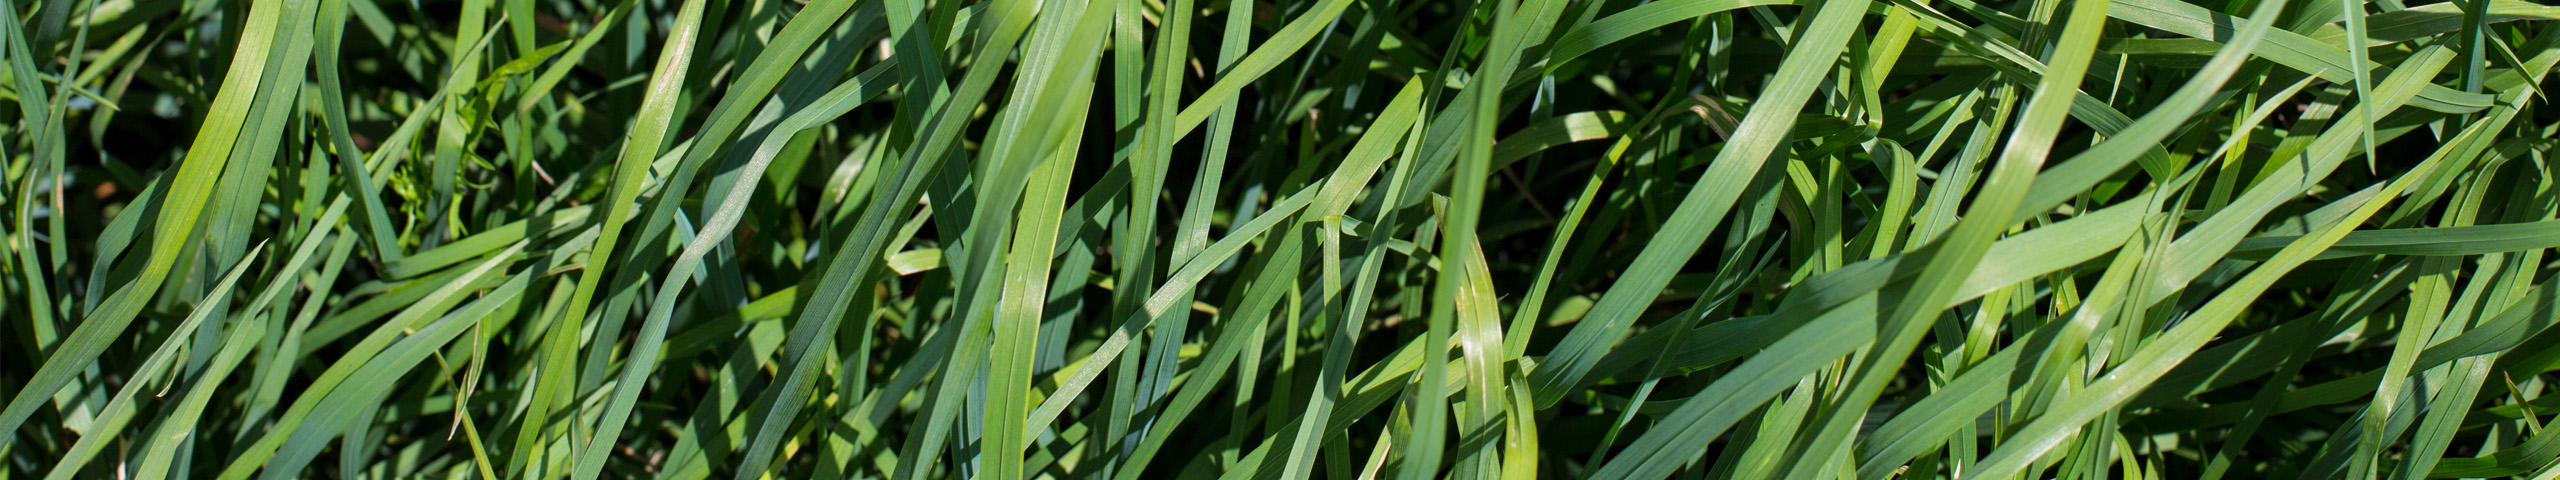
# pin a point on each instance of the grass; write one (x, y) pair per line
(1702, 239)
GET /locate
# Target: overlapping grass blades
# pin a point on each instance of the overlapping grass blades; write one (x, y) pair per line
(1290, 239)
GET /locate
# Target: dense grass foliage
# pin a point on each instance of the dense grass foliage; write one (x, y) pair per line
(1124, 239)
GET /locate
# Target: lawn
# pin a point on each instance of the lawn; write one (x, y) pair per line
(1279, 239)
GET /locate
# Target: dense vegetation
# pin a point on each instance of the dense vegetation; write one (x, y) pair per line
(1120, 239)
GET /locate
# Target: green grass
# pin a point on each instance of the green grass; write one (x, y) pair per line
(1199, 239)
